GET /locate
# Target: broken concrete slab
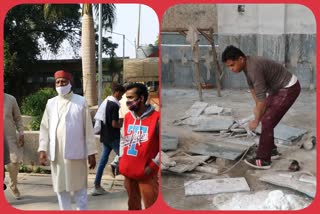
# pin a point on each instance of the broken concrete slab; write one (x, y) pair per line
(286, 133)
(229, 149)
(169, 142)
(214, 109)
(208, 169)
(166, 162)
(290, 180)
(215, 186)
(214, 124)
(187, 163)
(194, 111)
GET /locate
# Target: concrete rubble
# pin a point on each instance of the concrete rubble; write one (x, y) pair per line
(232, 141)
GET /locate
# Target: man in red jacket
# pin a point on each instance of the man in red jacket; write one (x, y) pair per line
(139, 162)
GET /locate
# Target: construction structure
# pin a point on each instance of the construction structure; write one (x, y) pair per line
(283, 36)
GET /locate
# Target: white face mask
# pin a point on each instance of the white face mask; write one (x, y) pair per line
(63, 90)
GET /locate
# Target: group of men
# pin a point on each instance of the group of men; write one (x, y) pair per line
(67, 133)
(67, 143)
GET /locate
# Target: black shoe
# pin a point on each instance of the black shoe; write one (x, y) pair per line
(115, 170)
(258, 163)
(275, 155)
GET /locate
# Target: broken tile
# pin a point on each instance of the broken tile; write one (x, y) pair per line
(169, 142)
(166, 162)
(194, 111)
(290, 181)
(215, 186)
(229, 149)
(214, 124)
(214, 109)
(187, 163)
(286, 133)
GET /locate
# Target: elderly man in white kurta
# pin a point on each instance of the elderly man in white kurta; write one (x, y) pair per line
(67, 140)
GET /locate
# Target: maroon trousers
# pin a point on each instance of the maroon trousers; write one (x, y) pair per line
(147, 189)
(276, 107)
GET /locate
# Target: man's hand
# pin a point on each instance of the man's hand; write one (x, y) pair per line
(43, 158)
(21, 141)
(92, 161)
(147, 170)
(253, 124)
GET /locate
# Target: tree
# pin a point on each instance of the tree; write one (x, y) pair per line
(23, 26)
(88, 47)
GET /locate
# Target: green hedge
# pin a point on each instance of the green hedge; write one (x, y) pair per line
(35, 104)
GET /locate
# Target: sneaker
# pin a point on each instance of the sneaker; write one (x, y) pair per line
(98, 191)
(258, 163)
(15, 193)
(275, 155)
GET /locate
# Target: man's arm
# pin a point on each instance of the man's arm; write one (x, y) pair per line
(43, 138)
(18, 121)
(258, 111)
(254, 96)
(117, 123)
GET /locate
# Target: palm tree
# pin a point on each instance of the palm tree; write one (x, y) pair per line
(88, 47)
(88, 50)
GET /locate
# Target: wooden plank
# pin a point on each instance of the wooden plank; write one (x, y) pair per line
(215, 186)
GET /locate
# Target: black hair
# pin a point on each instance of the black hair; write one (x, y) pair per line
(231, 53)
(141, 90)
(118, 88)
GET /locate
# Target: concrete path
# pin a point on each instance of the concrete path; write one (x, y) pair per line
(37, 193)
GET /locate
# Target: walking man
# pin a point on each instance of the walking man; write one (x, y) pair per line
(139, 162)
(67, 140)
(108, 125)
(13, 122)
(274, 90)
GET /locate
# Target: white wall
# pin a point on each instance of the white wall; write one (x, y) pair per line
(265, 19)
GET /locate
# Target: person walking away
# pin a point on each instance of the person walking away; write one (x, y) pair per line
(108, 125)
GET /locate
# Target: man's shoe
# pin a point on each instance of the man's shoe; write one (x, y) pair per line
(15, 193)
(258, 163)
(98, 191)
(275, 155)
(115, 170)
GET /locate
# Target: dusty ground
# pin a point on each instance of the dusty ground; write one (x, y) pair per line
(176, 101)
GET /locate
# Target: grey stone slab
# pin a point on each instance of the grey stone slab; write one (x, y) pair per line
(292, 181)
(196, 109)
(169, 142)
(214, 109)
(229, 149)
(215, 186)
(286, 133)
(187, 163)
(214, 124)
(166, 162)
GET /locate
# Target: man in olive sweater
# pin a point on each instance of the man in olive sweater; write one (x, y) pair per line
(274, 90)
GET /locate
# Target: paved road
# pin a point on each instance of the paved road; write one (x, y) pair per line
(37, 193)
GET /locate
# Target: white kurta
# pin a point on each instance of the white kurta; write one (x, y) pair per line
(68, 175)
